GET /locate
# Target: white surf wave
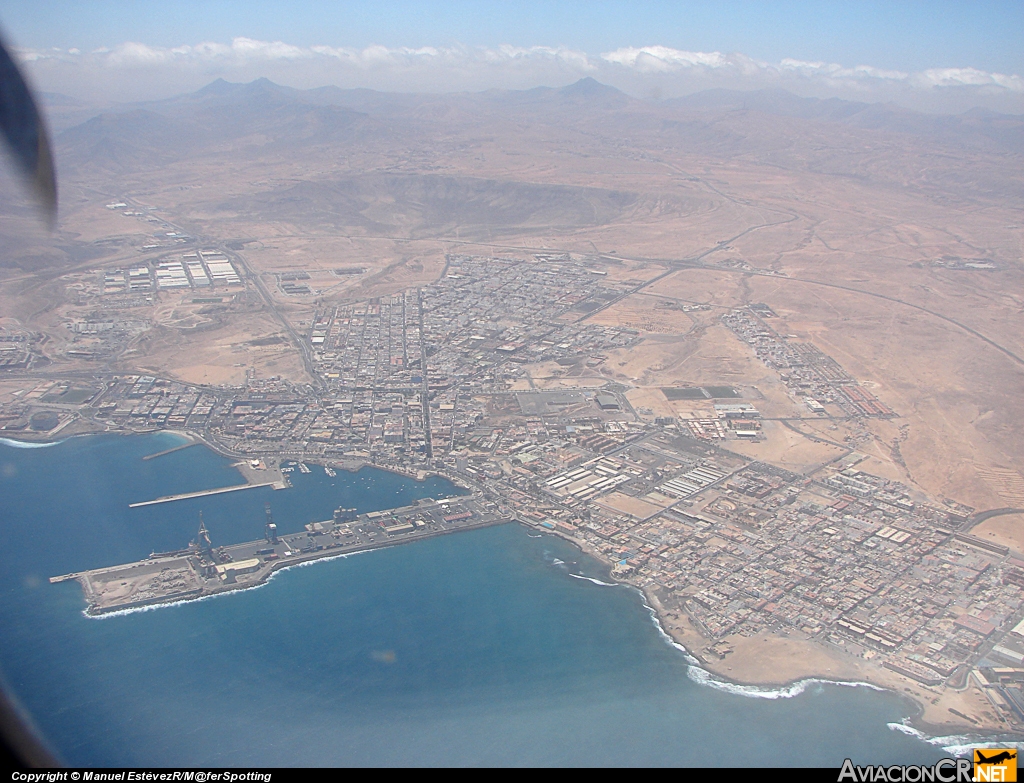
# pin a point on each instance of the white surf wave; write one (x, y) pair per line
(239, 591)
(166, 604)
(954, 744)
(317, 560)
(595, 581)
(702, 676)
(24, 444)
(666, 637)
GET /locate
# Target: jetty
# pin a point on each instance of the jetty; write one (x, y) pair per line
(171, 450)
(203, 570)
(204, 492)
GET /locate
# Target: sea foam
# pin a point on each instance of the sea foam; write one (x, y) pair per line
(239, 591)
(23, 444)
(702, 676)
(955, 744)
(594, 581)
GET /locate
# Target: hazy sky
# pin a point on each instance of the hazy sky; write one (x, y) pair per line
(934, 55)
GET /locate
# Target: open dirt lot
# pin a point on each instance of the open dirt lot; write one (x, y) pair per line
(1004, 530)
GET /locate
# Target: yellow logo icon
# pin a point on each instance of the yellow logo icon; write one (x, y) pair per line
(995, 764)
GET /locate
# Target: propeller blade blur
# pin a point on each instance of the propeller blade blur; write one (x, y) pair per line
(26, 135)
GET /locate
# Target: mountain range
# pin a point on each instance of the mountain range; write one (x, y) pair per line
(259, 119)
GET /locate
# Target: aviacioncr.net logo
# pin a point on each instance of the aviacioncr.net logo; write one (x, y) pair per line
(943, 771)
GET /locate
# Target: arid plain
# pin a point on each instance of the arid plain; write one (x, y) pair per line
(859, 227)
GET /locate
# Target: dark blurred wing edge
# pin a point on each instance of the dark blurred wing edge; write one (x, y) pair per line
(25, 132)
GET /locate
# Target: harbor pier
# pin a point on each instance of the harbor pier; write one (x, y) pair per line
(203, 570)
(205, 492)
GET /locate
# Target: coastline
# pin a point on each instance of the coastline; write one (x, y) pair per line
(274, 463)
(766, 666)
(241, 460)
(775, 666)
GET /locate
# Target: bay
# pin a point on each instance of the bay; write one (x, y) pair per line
(478, 648)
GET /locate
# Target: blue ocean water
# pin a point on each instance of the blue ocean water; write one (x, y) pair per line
(478, 648)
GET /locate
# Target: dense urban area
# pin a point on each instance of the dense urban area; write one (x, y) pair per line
(431, 380)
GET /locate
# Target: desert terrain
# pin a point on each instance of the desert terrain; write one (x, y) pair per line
(889, 241)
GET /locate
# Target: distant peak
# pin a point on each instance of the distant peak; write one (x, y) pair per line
(260, 90)
(589, 87)
(222, 87)
(262, 82)
(588, 84)
(217, 87)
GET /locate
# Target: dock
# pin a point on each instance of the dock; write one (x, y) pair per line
(171, 450)
(198, 572)
(203, 493)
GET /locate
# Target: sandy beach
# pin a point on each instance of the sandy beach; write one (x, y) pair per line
(772, 661)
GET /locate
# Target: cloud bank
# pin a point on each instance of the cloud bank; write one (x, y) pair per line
(136, 71)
